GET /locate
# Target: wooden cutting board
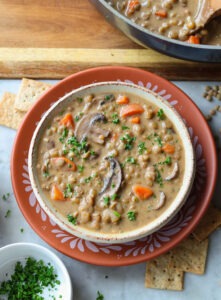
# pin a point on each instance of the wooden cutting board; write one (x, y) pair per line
(55, 38)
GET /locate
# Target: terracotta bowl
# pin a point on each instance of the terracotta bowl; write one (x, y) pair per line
(151, 97)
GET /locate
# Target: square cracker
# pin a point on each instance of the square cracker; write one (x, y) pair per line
(210, 222)
(160, 274)
(30, 90)
(190, 256)
(9, 116)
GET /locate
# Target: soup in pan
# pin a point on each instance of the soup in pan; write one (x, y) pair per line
(171, 18)
(110, 162)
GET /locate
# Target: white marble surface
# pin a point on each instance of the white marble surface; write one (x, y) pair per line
(123, 283)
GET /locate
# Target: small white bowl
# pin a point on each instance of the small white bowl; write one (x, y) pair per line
(150, 97)
(11, 254)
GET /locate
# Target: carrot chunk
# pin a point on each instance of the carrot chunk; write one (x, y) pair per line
(193, 39)
(56, 193)
(132, 6)
(67, 120)
(161, 13)
(122, 100)
(168, 148)
(131, 109)
(142, 192)
(135, 120)
(60, 162)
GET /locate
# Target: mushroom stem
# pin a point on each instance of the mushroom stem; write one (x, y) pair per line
(174, 173)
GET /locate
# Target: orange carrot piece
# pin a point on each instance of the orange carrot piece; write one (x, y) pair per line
(131, 109)
(56, 193)
(193, 39)
(67, 120)
(114, 137)
(132, 6)
(161, 13)
(135, 120)
(142, 192)
(168, 148)
(70, 163)
(122, 100)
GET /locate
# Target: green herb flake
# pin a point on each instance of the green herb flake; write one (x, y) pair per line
(106, 200)
(6, 196)
(128, 141)
(72, 219)
(115, 119)
(131, 215)
(28, 281)
(116, 213)
(80, 168)
(131, 160)
(113, 185)
(99, 296)
(124, 127)
(108, 97)
(78, 117)
(158, 178)
(8, 213)
(160, 114)
(141, 147)
(78, 147)
(68, 191)
(80, 100)
(21, 230)
(114, 197)
(158, 139)
(88, 179)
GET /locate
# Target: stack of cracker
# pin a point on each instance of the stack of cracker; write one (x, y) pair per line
(14, 107)
(165, 272)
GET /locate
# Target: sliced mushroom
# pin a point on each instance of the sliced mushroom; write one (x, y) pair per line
(174, 173)
(86, 128)
(113, 180)
(161, 201)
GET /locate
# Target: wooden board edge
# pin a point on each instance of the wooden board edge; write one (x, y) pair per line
(57, 63)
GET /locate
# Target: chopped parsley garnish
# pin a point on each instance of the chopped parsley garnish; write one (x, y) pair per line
(141, 147)
(114, 197)
(158, 178)
(128, 141)
(106, 200)
(125, 127)
(6, 196)
(64, 135)
(131, 160)
(80, 169)
(160, 114)
(113, 185)
(29, 280)
(158, 139)
(116, 213)
(80, 100)
(88, 179)
(68, 191)
(99, 296)
(78, 117)
(8, 213)
(21, 230)
(108, 97)
(115, 119)
(78, 147)
(46, 171)
(167, 161)
(131, 215)
(72, 219)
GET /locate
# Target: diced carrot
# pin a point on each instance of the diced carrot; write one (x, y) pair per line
(135, 120)
(59, 162)
(122, 100)
(132, 6)
(161, 13)
(131, 109)
(168, 148)
(56, 193)
(193, 39)
(142, 192)
(67, 120)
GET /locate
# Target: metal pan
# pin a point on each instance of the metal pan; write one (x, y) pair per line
(178, 49)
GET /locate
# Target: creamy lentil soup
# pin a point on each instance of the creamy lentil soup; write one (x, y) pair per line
(171, 18)
(110, 162)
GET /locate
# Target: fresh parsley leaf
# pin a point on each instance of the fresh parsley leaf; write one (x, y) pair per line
(160, 114)
(158, 139)
(125, 127)
(80, 100)
(128, 141)
(72, 219)
(6, 196)
(68, 191)
(78, 147)
(158, 178)
(106, 200)
(99, 296)
(115, 119)
(78, 117)
(114, 197)
(141, 147)
(88, 179)
(131, 215)
(116, 213)
(80, 169)
(64, 135)
(8, 213)
(131, 160)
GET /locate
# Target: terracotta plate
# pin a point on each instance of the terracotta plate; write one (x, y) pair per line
(136, 251)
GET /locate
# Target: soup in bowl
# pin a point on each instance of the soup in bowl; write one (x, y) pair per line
(111, 162)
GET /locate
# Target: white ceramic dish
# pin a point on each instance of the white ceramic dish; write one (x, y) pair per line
(114, 87)
(10, 254)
